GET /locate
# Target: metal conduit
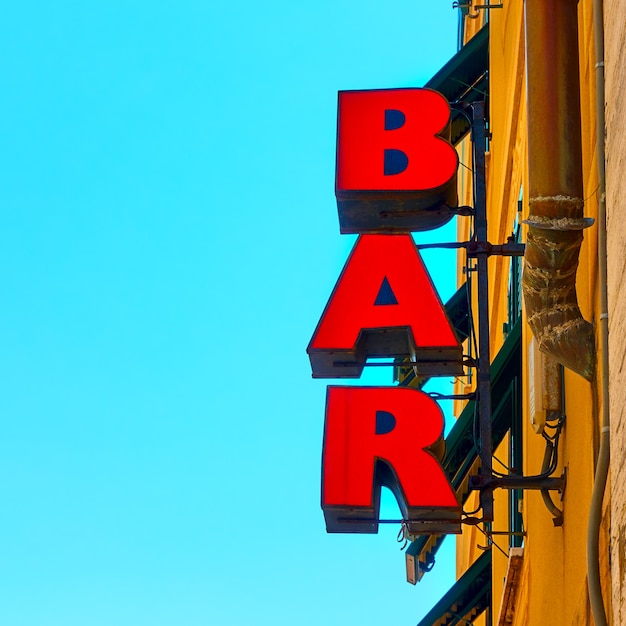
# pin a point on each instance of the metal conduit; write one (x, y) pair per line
(602, 466)
(556, 217)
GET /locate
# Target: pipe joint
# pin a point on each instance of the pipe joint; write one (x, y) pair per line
(559, 223)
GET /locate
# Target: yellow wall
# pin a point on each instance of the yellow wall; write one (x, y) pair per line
(553, 588)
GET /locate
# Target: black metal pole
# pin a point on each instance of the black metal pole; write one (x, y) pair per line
(484, 359)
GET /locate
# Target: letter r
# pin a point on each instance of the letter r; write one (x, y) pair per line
(378, 436)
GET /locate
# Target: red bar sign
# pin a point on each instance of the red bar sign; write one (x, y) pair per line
(396, 173)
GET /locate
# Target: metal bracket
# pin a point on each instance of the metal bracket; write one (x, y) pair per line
(484, 483)
(466, 5)
(452, 396)
(474, 248)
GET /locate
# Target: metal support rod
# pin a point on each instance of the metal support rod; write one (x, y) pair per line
(482, 256)
(518, 482)
(475, 247)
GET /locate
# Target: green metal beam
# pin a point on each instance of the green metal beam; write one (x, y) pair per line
(472, 592)
(464, 78)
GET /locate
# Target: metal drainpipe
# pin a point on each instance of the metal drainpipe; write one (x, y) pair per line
(556, 191)
(602, 466)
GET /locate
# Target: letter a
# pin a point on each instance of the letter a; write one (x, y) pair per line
(384, 305)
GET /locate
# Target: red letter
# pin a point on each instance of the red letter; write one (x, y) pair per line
(381, 436)
(384, 305)
(392, 158)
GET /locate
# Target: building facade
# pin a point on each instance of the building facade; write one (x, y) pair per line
(557, 338)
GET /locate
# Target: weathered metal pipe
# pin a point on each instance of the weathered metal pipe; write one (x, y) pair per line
(556, 203)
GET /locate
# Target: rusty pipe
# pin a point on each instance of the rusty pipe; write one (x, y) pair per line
(556, 221)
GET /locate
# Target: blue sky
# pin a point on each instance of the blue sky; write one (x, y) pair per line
(169, 239)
